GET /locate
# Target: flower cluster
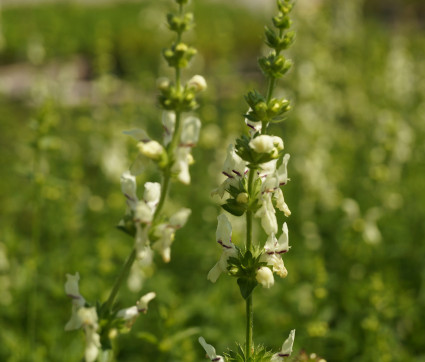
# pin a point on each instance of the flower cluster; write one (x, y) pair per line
(86, 317)
(256, 170)
(143, 219)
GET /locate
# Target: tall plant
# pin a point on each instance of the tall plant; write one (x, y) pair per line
(256, 171)
(145, 220)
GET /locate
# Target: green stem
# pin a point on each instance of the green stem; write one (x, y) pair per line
(270, 88)
(123, 274)
(249, 309)
(249, 327)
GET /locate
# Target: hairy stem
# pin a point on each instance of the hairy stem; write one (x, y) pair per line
(121, 277)
(249, 309)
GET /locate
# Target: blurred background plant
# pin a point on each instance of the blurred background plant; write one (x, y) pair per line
(73, 76)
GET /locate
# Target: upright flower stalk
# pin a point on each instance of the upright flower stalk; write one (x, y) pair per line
(256, 169)
(144, 220)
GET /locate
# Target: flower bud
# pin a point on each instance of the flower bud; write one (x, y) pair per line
(198, 83)
(151, 149)
(262, 144)
(163, 84)
(242, 198)
(265, 277)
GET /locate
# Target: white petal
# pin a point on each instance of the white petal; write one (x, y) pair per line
(265, 277)
(190, 131)
(262, 144)
(179, 218)
(267, 215)
(168, 121)
(128, 313)
(282, 171)
(224, 231)
(142, 304)
(210, 350)
(197, 82)
(283, 241)
(129, 188)
(151, 149)
(152, 194)
(138, 134)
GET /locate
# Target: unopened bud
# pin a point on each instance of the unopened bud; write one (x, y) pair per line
(198, 83)
(151, 149)
(163, 83)
(265, 277)
(242, 198)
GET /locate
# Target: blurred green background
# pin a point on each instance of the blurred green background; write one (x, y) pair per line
(73, 76)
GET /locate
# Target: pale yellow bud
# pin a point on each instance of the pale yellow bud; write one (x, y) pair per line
(242, 198)
(151, 149)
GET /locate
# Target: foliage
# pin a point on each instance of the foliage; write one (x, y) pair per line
(356, 268)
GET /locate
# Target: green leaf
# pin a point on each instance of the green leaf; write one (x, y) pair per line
(234, 207)
(246, 286)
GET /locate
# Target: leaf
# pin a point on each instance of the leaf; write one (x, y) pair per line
(234, 207)
(246, 286)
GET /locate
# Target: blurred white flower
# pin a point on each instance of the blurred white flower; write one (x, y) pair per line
(78, 301)
(223, 237)
(88, 318)
(169, 123)
(130, 314)
(165, 233)
(129, 189)
(286, 348)
(210, 351)
(198, 83)
(138, 134)
(183, 159)
(190, 132)
(151, 149)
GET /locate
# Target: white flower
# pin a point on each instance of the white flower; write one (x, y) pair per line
(165, 233)
(78, 301)
(210, 351)
(234, 168)
(280, 202)
(72, 289)
(142, 244)
(145, 209)
(138, 134)
(190, 132)
(254, 127)
(129, 188)
(130, 314)
(198, 83)
(88, 317)
(273, 250)
(282, 171)
(168, 122)
(286, 348)
(180, 218)
(266, 144)
(152, 194)
(267, 214)
(223, 237)
(151, 149)
(265, 277)
(183, 159)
